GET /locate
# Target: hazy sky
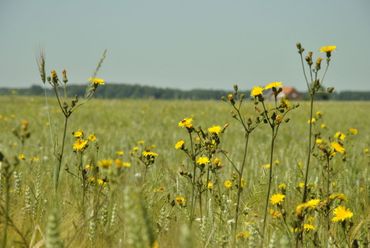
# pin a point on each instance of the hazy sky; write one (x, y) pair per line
(184, 44)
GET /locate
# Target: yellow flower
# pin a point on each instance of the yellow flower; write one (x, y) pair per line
(180, 144)
(120, 153)
(366, 150)
(141, 142)
(105, 163)
(313, 203)
(323, 126)
(35, 159)
(96, 81)
(215, 130)
(256, 91)
(266, 166)
(313, 120)
(301, 185)
(101, 182)
(319, 141)
(87, 167)
(228, 184)
(340, 135)
(149, 154)
(203, 160)
(92, 137)
(187, 122)
(21, 156)
(341, 214)
(275, 214)
(318, 114)
(217, 163)
(339, 196)
(353, 131)
(277, 199)
(327, 49)
(78, 134)
(210, 185)
(243, 235)
(308, 227)
(80, 145)
(180, 200)
(282, 186)
(338, 147)
(273, 85)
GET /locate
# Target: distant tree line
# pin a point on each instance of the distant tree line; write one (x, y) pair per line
(149, 92)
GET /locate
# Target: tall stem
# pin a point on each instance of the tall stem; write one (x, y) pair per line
(309, 151)
(273, 135)
(193, 179)
(240, 174)
(7, 206)
(60, 157)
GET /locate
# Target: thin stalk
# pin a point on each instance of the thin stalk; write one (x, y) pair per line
(240, 174)
(327, 197)
(273, 136)
(60, 157)
(7, 208)
(309, 151)
(193, 179)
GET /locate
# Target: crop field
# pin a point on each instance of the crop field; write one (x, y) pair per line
(152, 173)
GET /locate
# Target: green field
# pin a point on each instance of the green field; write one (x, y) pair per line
(137, 207)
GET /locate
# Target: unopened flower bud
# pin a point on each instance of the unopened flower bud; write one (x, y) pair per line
(318, 63)
(236, 87)
(330, 89)
(54, 77)
(64, 76)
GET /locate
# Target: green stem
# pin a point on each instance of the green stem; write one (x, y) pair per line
(309, 151)
(240, 174)
(60, 157)
(273, 136)
(7, 207)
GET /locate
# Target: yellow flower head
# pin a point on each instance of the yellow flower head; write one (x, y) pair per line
(120, 153)
(92, 137)
(202, 160)
(353, 131)
(228, 184)
(319, 141)
(187, 122)
(78, 134)
(243, 235)
(80, 145)
(275, 214)
(256, 91)
(340, 135)
(282, 186)
(215, 130)
(327, 49)
(313, 203)
(21, 156)
(149, 154)
(217, 163)
(323, 126)
(180, 200)
(341, 214)
(313, 120)
(105, 163)
(339, 196)
(180, 144)
(273, 85)
(210, 185)
(308, 227)
(338, 147)
(96, 81)
(277, 199)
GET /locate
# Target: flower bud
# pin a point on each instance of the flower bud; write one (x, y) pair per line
(318, 63)
(64, 76)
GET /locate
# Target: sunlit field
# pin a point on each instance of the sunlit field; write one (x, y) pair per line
(131, 187)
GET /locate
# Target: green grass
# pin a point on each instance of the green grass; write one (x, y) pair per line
(140, 213)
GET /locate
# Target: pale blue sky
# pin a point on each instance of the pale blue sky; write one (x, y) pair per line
(184, 44)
